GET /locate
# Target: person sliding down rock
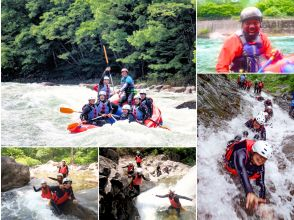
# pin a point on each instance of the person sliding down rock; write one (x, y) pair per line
(46, 193)
(174, 200)
(267, 103)
(257, 125)
(58, 179)
(137, 179)
(63, 169)
(138, 158)
(158, 170)
(131, 168)
(268, 113)
(246, 159)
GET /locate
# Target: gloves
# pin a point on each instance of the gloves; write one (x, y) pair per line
(277, 54)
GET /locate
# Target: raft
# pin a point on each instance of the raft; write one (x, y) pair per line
(285, 65)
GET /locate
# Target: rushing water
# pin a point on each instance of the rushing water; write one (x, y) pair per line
(154, 208)
(30, 116)
(219, 197)
(209, 49)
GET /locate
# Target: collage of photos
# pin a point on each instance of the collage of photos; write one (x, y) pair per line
(147, 110)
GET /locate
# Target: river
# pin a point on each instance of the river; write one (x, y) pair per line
(31, 117)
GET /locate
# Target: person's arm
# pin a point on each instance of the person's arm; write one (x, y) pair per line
(110, 106)
(123, 88)
(266, 46)
(239, 162)
(53, 188)
(163, 196)
(125, 166)
(67, 170)
(84, 115)
(263, 134)
(260, 183)
(55, 179)
(184, 197)
(37, 190)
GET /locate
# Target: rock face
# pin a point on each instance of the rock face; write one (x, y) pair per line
(109, 153)
(79, 211)
(217, 98)
(189, 104)
(283, 100)
(13, 175)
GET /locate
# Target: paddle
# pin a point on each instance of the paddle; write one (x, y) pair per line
(270, 60)
(164, 127)
(73, 125)
(68, 110)
(106, 59)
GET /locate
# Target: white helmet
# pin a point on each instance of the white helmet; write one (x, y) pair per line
(126, 107)
(262, 148)
(139, 170)
(137, 96)
(60, 174)
(269, 107)
(106, 77)
(143, 91)
(171, 189)
(124, 70)
(65, 180)
(260, 118)
(130, 162)
(43, 182)
(92, 98)
(102, 93)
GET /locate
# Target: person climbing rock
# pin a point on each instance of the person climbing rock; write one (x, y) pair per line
(127, 114)
(106, 88)
(140, 110)
(257, 125)
(63, 169)
(244, 50)
(58, 178)
(291, 108)
(268, 102)
(137, 179)
(158, 171)
(246, 159)
(260, 87)
(131, 168)
(46, 193)
(146, 101)
(89, 111)
(174, 200)
(126, 91)
(270, 113)
(104, 109)
(61, 194)
(139, 158)
(255, 86)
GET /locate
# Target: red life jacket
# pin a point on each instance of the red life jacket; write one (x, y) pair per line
(229, 152)
(60, 200)
(174, 203)
(138, 159)
(63, 170)
(138, 180)
(46, 193)
(130, 168)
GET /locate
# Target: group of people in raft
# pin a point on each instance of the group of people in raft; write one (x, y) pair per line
(59, 193)
(245, 157)
(135, 108)
(136, 178)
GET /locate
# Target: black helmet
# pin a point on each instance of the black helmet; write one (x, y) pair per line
(250, 13)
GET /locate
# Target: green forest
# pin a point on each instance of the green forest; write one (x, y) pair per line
(214, 9)
(32, 156)
(63, 39)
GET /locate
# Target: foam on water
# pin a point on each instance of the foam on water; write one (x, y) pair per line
(30, 116)
(218, 196)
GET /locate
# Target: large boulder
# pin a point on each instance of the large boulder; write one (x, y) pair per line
(178, 89)
(188, 104)
(80, 211)
(110, 154)
(13, 174)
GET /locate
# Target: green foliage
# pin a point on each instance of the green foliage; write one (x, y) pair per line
(276, 8)
(211, 10)
(28, 161)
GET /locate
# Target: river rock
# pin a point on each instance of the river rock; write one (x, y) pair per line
(178, 89)
(288, 148)
(13, 174)
(189, 105)
(79, 211)
(166, 87)
(93, 166)
(49, 84)
(158, 87)
(188, 90)
(283, 100)
(110, 154)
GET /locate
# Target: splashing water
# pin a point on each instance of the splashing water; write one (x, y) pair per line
(151, 207)
(218, 196)
(30, 116)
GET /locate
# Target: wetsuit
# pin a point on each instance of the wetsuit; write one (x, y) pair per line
(59, 198)
(261, 130)
(127, 89)
(104, 107)
(46, 193)
(240, 161)
(128, 116)
(63, 170)
(107, 89)
(88, 113)
(149, 103)
(175, 201)
(135, 184)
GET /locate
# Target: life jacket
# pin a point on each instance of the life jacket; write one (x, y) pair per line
(149, 103)
(46, 193)
(138, 159)
(174, 203)
(106, 88)
(260, 85)
(93, 113)
(138, 180)
(131, 87)
(103, 107)
(130, 168)
(63, 170)
(230, 151)
(249, 61)
(60, 200)
(138, 114)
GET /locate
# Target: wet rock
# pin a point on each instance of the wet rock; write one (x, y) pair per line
(283, 100)
(158, 87)
(178, 89)
(190, 89)
(218, 98)
(79, 211)
(13, 174)
(49, 84)
(110, 154)
(166, 87)
(288, 148)
(140, 86)
(189, 105)
(93, 166)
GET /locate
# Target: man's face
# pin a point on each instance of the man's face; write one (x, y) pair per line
(125, 111)
(92, 101)
(256, 125)
(44, 185)
(258, 160)
(67, 185)
(251, 27)
(143, 95)
(106, 81)
(124, 73)
(137, 101)
(102, 97)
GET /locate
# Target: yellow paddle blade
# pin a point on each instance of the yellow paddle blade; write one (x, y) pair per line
(73, 125)
(164, 127)
(66, 110)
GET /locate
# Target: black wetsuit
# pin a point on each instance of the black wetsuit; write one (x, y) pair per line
(245, 169)
(85, 113)
(149, 103)
(60, 193)
(261, 130)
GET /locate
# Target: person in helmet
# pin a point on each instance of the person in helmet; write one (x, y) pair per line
(256, 85)
(244, 50)
(137, 179)
(127, 114)
(242, 81)
(106, 87)
(260, 87)
(146, 101)
(246, 159)
(126, 91)
(174, 200)
(291, 109)
(139, 158)
(259, 98)
(269, 113)
(89, 111)
(140, 110)
(257, 125)
(46, 193)
(268, 102)
(58, 178)
(104, 109)
(131, 168)
(63, 169)
(248, 85)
